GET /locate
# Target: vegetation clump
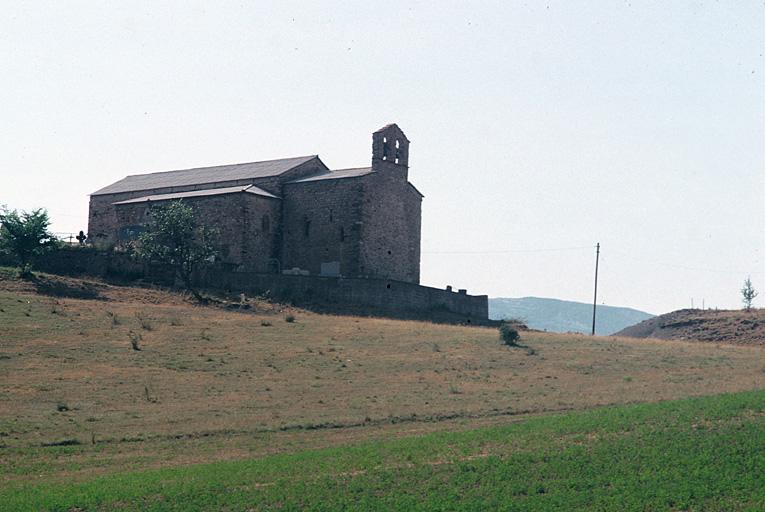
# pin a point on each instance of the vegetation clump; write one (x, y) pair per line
(509, 335)
(135, 340)
(748, 294)
(144, 320)
(174, 238)
(25, 235)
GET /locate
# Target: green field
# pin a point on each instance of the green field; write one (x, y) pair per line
(693, 454)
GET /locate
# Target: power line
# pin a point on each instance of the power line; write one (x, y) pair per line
(509, 251)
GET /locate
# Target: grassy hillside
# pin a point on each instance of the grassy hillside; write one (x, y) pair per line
(224, 383)
(564, 316)
(698, 454)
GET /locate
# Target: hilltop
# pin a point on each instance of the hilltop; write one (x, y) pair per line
(556, 315)
(717, 326)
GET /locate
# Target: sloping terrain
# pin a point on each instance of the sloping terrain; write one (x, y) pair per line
(556, 315)
(716, 326)
(231, 382)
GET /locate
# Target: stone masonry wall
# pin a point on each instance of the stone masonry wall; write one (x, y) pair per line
(322, 224)
(356, 295)
(243, 236)
(102, 219)
(391, 226)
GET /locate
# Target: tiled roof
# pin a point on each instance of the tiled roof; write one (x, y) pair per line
(336, 175)
(204, 175)
(249, 189)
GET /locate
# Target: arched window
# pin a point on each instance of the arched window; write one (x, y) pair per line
(265, 224)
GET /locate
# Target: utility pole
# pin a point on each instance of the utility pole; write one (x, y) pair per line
(595, 299)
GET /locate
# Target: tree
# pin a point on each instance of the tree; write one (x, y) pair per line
(25, 235)
(748, 293)
(174, 238)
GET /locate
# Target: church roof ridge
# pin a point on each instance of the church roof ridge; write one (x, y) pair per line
(204, 175)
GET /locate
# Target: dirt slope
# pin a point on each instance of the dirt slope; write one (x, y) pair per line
(717, 326)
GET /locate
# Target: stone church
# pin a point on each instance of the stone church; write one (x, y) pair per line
(287, 215)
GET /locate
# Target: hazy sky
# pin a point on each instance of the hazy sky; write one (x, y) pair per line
(535, 126)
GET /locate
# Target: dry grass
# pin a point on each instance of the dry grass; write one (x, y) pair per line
(212, 384)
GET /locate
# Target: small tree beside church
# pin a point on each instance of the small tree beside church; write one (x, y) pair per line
(748, 294)
(25, 235)
(174, 238)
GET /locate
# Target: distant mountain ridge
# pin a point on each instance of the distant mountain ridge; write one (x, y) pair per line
(565, 316)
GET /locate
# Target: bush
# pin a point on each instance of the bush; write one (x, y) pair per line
(289, 319)
(144, 320)
(114, 319)
(509, 335)
(135, 340)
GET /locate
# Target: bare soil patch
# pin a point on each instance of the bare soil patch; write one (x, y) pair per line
(715, 326)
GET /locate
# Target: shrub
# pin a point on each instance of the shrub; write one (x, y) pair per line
(265, 323)
(289, 319)
(144, 320)
(135, 340)
(509, 335)
(114, 319)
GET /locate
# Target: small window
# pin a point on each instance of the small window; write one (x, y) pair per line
(331, 216)
(265, 224)
(397, 144)
(306, 228)
(342, 234)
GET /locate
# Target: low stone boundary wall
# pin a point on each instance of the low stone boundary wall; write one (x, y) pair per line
(357, 295)
(328, 294)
